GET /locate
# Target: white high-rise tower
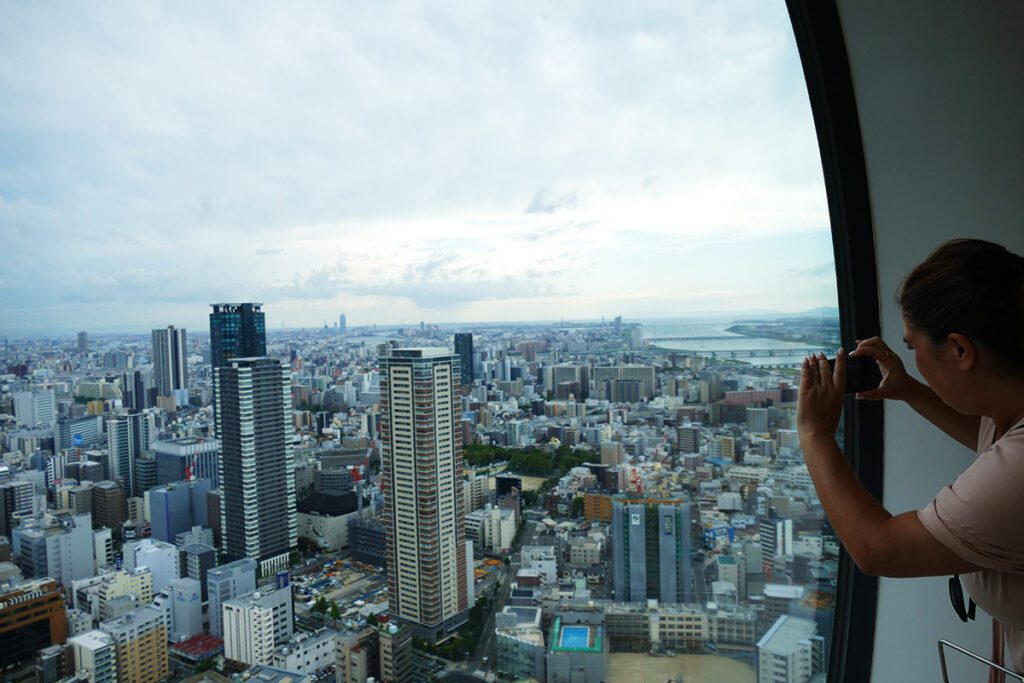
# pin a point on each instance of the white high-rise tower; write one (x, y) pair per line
(422, 481)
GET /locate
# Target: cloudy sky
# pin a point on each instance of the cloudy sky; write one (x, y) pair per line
(403, 161)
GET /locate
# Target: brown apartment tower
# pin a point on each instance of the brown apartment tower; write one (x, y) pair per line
(424, 518)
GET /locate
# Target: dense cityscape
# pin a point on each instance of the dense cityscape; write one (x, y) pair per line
(563, 501)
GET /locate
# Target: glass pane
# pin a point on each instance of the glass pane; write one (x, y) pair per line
(608, 222)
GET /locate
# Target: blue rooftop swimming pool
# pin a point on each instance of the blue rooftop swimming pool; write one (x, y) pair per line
(575, 637)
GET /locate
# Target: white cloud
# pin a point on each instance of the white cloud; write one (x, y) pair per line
(446, 161)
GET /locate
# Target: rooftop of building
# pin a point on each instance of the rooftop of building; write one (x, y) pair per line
(22, 591)
(130, 621)
(229, 567)
(92, 639)
(259, 597)
(783, 591)
(305, 640)
(266, 674)
(329, 503)
(199, 647)
(786, 634)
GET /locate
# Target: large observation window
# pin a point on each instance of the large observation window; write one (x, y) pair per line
(622, 204)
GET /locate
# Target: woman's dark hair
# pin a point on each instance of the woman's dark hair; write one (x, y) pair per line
(972, 287)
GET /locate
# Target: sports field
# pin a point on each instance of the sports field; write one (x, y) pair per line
(639, 668)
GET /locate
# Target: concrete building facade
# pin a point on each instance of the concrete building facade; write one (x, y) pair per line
(422, 481)
(253, 421)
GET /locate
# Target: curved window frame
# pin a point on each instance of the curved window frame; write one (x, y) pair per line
(822, 48)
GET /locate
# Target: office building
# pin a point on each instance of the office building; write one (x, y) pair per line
(464, 350)
(790, 652)
(137, 583)
(32, 616)
(608, 381)
(255, 624)
(519, 643)
(55, 546)
(186, 609)
(236, 331)
(170, 360)
(186, 458)
(688, 439)
(308, 653)
(253, 419)
(137, 392)
(161, 559)
(78, 432)
(568, 380)
(776, 536)
(422, 481)
(342, 324)
(177, 507)
(197, 559)
(396, 665)
(128, 437)
(35, 408)
(651, 550)
(15, 503)
(95, 656)
(224, 583)
(757, 420)
(83, 342)
(108, 505)
(140, 640)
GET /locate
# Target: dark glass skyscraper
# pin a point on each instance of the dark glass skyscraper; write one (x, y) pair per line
(237, 331)
(464, 350)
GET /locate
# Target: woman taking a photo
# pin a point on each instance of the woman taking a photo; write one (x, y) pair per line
(963, 317)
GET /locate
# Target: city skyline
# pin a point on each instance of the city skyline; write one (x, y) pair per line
(573, 163)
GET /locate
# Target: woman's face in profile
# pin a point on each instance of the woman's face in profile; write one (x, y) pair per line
(938, 367)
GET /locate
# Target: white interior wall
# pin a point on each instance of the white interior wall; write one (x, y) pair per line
(940, 93)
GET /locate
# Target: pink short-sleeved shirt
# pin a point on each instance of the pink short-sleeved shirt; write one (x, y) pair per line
(979, 518)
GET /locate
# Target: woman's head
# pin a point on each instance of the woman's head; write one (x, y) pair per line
(974, 288)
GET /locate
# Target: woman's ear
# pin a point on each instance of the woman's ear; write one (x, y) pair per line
(963, 350)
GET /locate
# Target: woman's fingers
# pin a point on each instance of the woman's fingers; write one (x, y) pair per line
(824, 369)
(873, 348)
(839, 373)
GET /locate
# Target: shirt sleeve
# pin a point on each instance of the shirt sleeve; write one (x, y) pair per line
(977, 516)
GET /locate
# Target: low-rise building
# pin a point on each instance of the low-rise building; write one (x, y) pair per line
(519, 642)
(255, 624)
(95, 656)
(790, 652)
(578, 648)
(307, 653)
(140, 638)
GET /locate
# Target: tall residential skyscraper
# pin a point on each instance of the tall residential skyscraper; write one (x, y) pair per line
(237, 331)
(651, 550)
(464, 350)
(254, 421)
(342, 326)
(421, 472)
(170, 360)
(83, 342)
